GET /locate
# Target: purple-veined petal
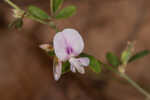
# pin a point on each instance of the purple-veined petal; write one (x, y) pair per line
(68, 43)
(57, 70)
(74, 40)
(84, 61)
(60, 46)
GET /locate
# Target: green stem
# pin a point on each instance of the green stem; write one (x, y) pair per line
(130, 81)
(53, 26)
(51, 7)
(133, 83)
(38, 20)
(31, 17)
(12, 4)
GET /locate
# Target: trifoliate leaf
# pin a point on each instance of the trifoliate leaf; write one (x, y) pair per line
(56, 5)
(38, 13)
(66, 12)
(139, 55)
(112, 59)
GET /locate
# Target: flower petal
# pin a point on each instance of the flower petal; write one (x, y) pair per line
(72, 68)
(57, 70)
(74, 40)
(80, 69)
(84, 61)
(76, 64)
(60, 46)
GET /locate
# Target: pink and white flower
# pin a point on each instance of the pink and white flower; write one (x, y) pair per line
(68, 44)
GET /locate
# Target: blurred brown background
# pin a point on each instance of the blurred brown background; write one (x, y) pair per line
(106, 25)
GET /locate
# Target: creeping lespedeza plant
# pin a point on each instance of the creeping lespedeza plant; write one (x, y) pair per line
(67, 46)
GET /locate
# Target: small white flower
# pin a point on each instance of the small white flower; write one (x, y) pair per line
(67, 45)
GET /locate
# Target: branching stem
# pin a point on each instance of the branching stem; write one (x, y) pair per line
(31, 17)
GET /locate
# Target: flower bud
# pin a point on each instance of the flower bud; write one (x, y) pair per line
(18, 13)
(46, 47)
(125, 56)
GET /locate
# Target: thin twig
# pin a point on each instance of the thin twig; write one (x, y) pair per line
(31, 17)
(12, 4)
(130, 81)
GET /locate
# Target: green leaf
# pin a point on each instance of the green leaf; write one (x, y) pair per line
(51, 53)
(127, 53)
(95, 64)
(56, 4)
(112, 59)
(66, 12)
(38, 13)
(65, 67)
(125, 56)
(139, 55)
(17, 23)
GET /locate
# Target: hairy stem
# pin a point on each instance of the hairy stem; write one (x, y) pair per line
(12, 4)
(130, 81)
